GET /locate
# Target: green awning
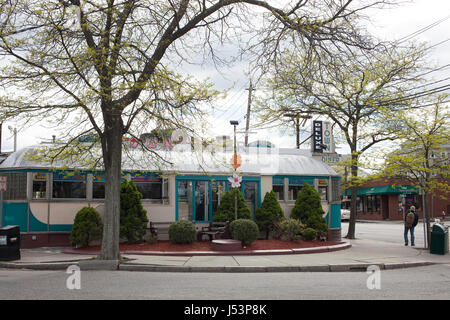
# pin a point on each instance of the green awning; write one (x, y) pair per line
(406, 189)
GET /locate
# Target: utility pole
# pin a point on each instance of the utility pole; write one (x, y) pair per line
(296, 119)
(247, 123)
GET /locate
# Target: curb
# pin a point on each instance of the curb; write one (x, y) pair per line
(358, 267)
(114, 265)
(38, 266)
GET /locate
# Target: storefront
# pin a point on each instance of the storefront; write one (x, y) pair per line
(383, 202)
(44, 200)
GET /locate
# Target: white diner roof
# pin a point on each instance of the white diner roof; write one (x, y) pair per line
(256, 161)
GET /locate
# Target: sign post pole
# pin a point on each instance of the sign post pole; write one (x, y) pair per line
(2, 188)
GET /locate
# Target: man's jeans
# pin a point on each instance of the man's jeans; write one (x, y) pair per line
(411, 230)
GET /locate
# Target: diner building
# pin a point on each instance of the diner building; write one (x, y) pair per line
(185, 184)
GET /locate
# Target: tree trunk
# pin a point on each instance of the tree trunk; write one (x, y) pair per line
(353, 199)
(353, 208)
(112, 155)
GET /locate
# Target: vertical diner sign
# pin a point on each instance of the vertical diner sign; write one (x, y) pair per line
(322, 135)
(317, 136)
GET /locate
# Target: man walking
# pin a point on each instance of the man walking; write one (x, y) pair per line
(411, 220)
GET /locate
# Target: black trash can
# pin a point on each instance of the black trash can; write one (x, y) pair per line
(9, 243)
(439, 239)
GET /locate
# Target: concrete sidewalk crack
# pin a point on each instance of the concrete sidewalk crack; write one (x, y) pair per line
(184, 264)
(236, 261)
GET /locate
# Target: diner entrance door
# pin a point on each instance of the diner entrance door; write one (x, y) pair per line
(250, 196)
(201, 201)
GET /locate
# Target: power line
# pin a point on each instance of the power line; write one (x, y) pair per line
(424, 29)
(237, 94)
(439, 43)
(416, 95)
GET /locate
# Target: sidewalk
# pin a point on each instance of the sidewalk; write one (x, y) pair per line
(357, 257)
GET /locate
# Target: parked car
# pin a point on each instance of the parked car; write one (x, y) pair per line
(345, 214)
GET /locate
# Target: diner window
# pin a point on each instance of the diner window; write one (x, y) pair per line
(151, 187)
(294, 191)
(17, 182)
(323, 192)
(150, 190)
(98, 187)
(278, 187)
(69, 186)
(323, 189)
(39, 185)
(295, 186)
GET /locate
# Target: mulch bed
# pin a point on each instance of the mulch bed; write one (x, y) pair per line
(166, 246)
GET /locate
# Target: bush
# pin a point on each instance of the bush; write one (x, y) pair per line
(87, 227)
(133, 216)
(289, 230)
(225, 210)
(182, 231)
(269, 213)
(244, 230)
(308, 209)
(310, 234)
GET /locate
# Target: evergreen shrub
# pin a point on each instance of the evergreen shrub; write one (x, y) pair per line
(133, 216)
(269, 213)
(87, 227)
(244, 230)
(225, 210)
(182, 232)
(308, 209)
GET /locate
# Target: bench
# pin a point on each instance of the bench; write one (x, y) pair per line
(215, 230)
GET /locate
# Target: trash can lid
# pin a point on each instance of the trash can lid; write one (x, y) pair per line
(438, 228)
(8, 227)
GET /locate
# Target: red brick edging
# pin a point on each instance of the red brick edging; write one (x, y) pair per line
(323, 249)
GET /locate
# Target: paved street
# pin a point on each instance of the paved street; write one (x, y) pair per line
(432, 282)
(386, 231)
(379, 242)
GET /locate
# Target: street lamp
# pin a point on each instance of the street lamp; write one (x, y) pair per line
(234, 123)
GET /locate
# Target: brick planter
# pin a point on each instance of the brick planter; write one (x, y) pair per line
(226, 245)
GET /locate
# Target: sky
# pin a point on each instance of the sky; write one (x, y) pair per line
(420, 20)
